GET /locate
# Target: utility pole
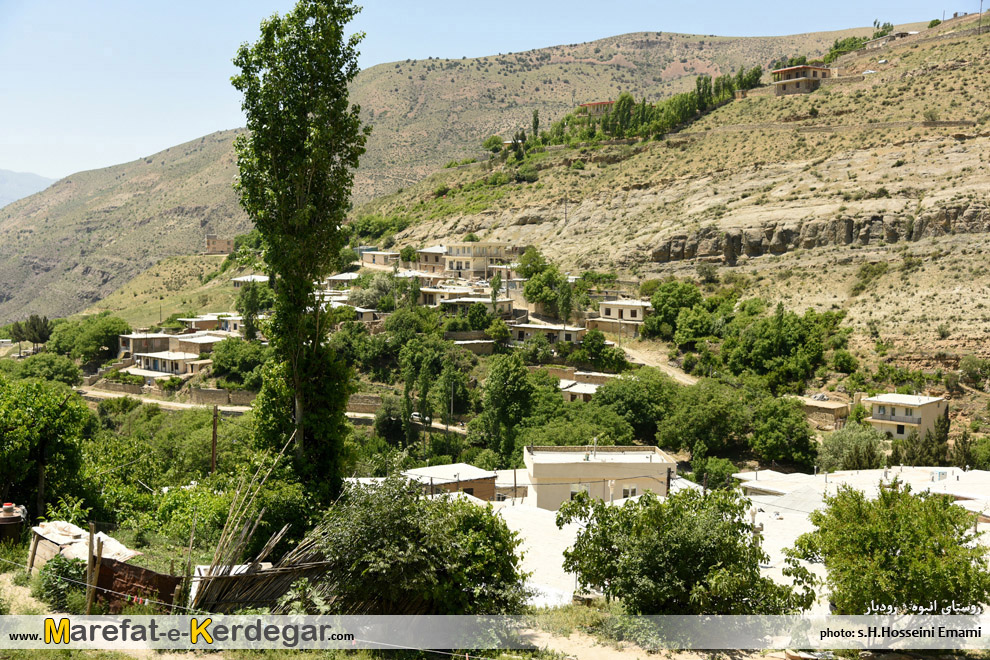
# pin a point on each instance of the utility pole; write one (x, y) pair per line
(213, 452)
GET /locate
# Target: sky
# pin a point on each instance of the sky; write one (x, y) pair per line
(86, 84)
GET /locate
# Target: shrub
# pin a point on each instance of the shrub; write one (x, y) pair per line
(59, 578)
(843, 361)
(526, 174)
(577, 165)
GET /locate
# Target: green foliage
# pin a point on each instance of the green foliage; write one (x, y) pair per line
(544, 287)
(69, 509)
(976, 370)
(570, 424)
(251, 301)
(595, 352)
(526, 173)
(492, 143)
(716, 472)
(642, 399)
(507, 400)
(478, 317)
(932, 449)
(867, 275)
(897, 550)
(60, 578)
(375, 227)
(532, 263)
(843, 361)
(48, 366)
(935, 22)
(90, 338)
(856, 446)
(498, 331)
(781, 432)
(668, 301)
(408, 254)
(707, 418)
(43, 426)
(393, 551)
(686, 554)
(239, 363)
(842, 46)
(537, 350)
(296, 163)
(118, 376)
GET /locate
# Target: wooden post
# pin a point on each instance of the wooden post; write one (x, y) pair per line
(213, 452)
(89, 566)
(33, 552)
(96, 576)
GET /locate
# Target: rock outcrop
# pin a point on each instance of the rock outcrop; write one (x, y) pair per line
(714, 244)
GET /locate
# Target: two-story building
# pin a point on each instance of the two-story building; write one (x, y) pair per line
(217, 245)
(802, 79)
(471, 260)
(142, 342)
(624, 317)
(557, 474)
(379, 258)
(501, 307)
(249, 279)
(899, 414)
(431, 259)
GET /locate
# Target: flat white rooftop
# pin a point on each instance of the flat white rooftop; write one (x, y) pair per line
(448, 473)
(590, 454)
(903, 399)
(169, 355)
(200, 339)
(434, 249)
(627, 303)
(538, 326)
(147, 335)
(145, 373)
(250, 278)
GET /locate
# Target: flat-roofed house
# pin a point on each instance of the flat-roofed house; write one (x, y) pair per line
(802, 79)
(431, 296)
(471, 259)
(431, 259)
(249, 279)
(143, 342)
(455, 478)
(623, 317)
(502, 306)
(197, 343)
(553, 333)
(899, 414)
(217, 245)
(596, 108)
(164, 363)
(557, 474)
(379, 258)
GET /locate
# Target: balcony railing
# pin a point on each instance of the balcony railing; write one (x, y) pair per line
(900, 419)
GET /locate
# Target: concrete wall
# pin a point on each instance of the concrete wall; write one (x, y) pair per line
(127, 388)
(483, 489)
(480, 347)
(210, 397)
(242, 397)
(467, 335)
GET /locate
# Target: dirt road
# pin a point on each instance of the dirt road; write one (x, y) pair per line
(652, 354)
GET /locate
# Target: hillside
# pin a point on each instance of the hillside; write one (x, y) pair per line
(17, 185)
(822, 182)
(69, 246)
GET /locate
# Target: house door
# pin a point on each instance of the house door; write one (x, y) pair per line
(621, 313)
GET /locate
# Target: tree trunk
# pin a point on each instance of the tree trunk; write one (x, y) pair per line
(299, 424)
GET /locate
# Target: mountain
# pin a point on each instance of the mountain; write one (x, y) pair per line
(69, 246)
(868, 195)
(16, 185)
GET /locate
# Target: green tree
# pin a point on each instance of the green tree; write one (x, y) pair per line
(781, 432)
(239, 363)
(855, 446)
(706, 418)
(251, 301)
(536, 349)
(506, 401)
(37, 330)
(685, 554)
(42, 426)
(48, 366)
(478, 316)
(897, 550)
(532, 262)
(716, 472)
(668, 301)
(297, 162)
(492, 143)
(496, 285)
(408, 254)
(388, 420)
(536, 123)
(498, 331)
(643, 399)
(390, 550)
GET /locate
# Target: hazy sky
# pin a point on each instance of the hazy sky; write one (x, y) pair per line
(89, 84)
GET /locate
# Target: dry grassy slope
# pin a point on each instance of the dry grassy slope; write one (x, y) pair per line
(85, 236)
(427, 112)
(174, 284)
(88, 234)
(762, 164)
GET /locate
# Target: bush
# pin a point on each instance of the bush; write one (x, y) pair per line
(844, 361)
(577, 165)
(48, 366)
(526, 174)
(59, 578)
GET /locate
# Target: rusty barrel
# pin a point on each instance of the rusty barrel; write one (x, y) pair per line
(11, 522)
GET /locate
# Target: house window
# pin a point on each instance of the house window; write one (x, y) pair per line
(468, 491)
(629, 490)
(578, 488)
(500, 497)
(881, 410)
(909, 412)
(632, 313)
(567, 337)
(900, 429)
(608, 311)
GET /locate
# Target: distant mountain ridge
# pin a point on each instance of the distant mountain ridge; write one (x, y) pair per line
(18, 185)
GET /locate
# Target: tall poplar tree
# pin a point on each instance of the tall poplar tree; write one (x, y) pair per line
(297, 164)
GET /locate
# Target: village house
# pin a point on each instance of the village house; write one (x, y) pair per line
(557, 474)
(142, 342)
(553, 333)
(431, 259)
(432, 296)
(899, 414)
(502, 306)
(249, 279)
(623, 317)
(596, 108)
(379, 258)
(201, 323)
(217, 245)
(341, 280)
(455, 478)
(471, 260)
(802, 79)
